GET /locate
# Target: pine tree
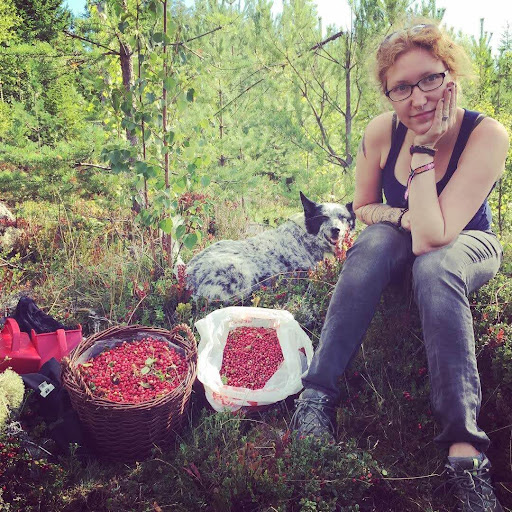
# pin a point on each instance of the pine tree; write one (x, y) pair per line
(42, 20)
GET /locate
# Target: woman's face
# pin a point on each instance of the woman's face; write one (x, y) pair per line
(416, 111)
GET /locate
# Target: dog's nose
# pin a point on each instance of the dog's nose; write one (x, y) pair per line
(335, 232)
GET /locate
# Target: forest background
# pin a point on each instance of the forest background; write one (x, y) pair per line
(148, 126)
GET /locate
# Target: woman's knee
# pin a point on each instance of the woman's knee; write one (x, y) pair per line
(436, 269)
(379, 252)
(377, 241)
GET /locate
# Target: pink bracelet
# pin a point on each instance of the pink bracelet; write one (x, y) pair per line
(418, 170)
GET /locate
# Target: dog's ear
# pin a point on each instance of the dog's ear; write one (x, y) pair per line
(308, 205)
(350, 208)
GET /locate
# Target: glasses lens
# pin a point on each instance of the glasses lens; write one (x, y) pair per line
(431, 82)
(400, 93)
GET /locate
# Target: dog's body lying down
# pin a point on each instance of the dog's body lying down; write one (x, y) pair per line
(231, 269)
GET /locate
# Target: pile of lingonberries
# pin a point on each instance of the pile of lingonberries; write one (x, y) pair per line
(134, 372)
(251, 356)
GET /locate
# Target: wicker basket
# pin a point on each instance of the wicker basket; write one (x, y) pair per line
(126, 431)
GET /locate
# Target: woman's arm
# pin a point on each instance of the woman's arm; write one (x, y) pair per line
(378, 212)
(437, 221)
(367, 204)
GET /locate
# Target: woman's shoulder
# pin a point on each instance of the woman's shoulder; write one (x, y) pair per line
(487, 148)
(378, 136)
(489, 124)
(379, 128)
(380, 122)
(489, 130)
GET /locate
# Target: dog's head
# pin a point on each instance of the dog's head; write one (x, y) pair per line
(328, 221)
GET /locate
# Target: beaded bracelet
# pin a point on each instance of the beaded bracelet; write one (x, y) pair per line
(418, 170)
(426, 150)
(403, 211)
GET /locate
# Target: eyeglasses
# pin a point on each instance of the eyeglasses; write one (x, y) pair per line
(429, 83)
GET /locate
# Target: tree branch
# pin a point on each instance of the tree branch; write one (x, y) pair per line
(200, 57)
(74, 36)
(325, 137)
(234, 99)
(87, 164)
(328, 58)
(202, 35)
(360, 93)
(328, 40)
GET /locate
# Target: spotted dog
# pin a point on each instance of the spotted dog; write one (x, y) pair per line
(231, 269)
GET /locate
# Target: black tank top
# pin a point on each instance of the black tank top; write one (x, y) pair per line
(394, 190)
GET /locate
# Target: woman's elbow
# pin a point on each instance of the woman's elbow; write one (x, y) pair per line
(358, 213)
(418, 250)
(423, 247)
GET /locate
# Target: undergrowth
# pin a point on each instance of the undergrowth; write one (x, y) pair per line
(83, 266)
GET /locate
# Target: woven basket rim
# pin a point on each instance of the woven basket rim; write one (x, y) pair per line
(75, 384)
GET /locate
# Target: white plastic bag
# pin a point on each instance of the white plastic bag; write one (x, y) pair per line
(286, 381)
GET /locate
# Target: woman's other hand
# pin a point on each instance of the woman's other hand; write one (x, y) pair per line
(405, 222)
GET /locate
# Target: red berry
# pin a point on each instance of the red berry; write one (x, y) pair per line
(134, 372)
(251, 356)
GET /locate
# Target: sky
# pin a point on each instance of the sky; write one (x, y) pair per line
(462, 15)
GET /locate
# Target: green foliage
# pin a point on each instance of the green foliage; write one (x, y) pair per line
(11, 394)
(9, 21)
(44, 173)
(25, 481)
(42, 20)
(40, 88)
(5, 120)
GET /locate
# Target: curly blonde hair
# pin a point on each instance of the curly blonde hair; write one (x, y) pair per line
(426, 35)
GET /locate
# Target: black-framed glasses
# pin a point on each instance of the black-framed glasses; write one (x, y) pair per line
(429, 83)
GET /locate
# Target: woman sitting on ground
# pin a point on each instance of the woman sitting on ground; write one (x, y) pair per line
(436, 164)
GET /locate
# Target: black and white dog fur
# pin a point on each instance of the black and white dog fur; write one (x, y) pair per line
(231, 269)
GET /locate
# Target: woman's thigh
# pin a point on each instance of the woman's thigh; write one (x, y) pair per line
(379, 248)
(474, 257)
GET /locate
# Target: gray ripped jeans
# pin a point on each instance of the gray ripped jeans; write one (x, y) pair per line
(442, 280)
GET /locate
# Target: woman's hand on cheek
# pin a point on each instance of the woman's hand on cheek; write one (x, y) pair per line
(444, 118)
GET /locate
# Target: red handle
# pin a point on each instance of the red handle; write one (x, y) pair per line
(14, 329)
(63, 344)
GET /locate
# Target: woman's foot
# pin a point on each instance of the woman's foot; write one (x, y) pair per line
(314, 416)
(470, 480)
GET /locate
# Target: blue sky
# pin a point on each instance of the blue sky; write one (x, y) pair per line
(463, 15)
(76, 6)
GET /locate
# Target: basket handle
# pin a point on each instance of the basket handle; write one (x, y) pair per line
(76, 375)
(83, 384)
(189, 339)
(191, 344)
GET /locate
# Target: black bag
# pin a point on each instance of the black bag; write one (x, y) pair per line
(29, 317)
(54, 406)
